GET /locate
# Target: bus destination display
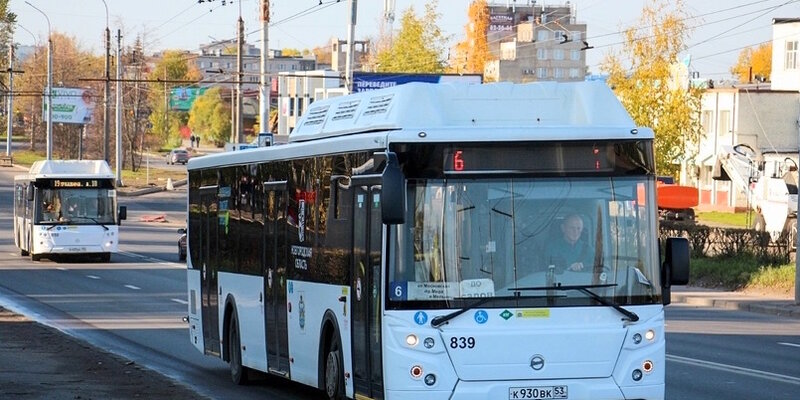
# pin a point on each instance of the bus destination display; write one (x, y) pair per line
(545, 158)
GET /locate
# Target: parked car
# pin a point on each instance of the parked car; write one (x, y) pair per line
(177, 156)
(182, 244)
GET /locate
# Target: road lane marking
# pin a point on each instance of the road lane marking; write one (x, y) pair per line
(737, 370)
(789, 344)
(133, 287)
(92, 276)
(184, 302)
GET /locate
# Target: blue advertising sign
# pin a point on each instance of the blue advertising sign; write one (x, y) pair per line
(365, 81)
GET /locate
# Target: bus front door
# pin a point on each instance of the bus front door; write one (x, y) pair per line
(366, 285)
(208, 272)
(275, 257)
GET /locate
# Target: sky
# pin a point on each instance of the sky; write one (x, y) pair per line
(721, 28)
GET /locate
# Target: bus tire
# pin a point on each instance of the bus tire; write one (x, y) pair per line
(22, 251)
(36, 257)
(238, 371)
(334, 370)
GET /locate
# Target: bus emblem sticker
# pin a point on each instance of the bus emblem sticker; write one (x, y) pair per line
(302, 311)
(481, 316)
(301, 221)
(421, 317)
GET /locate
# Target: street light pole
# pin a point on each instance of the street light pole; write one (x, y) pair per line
(49, 90)
(106, 89)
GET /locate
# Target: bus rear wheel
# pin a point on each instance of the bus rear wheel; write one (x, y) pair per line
(334, 373)
(238, 372)
(22, 251)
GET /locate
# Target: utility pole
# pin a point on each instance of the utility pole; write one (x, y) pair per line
(351, 27)
(119, 108)
(106, 95)
(239, 75)
(107, 88)
(10, 110)
(266, 82)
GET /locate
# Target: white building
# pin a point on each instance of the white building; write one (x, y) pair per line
(763, 116)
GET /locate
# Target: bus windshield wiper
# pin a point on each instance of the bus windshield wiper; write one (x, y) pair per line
(442, 319)
(585, 289)
(97, 222)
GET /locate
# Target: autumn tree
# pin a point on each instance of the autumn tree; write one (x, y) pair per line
(754, 63)
(323, 54)
(71, 63)
(210, 116)
(644, 86)
(473, 52)
(174, 65)
(7, 23)
(135, 108)
(418, 47)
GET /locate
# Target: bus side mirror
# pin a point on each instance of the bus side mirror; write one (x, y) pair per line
(675, 270)
(29, 193)
(122, 213)
(393, 191)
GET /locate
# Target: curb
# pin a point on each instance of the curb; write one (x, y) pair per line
(154, 189)
(781, 310)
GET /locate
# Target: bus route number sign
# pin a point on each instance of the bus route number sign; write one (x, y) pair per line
(61, 183)
(538, 392)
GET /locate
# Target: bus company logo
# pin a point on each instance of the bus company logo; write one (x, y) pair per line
(506, 315)
(301, 221)
(537, 362)
(420, 317)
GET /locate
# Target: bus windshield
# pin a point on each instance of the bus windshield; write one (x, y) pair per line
(76, 206)
(500, 237)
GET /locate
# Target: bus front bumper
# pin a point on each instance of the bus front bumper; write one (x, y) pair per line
(589, 389)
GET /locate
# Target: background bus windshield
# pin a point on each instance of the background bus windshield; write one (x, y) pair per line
(486, 237)
(76, 206)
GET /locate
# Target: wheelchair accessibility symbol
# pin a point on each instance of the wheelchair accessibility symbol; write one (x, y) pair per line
(481, 316)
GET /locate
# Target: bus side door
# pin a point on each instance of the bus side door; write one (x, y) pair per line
(208, 270)
(276, 259)
(366, 289)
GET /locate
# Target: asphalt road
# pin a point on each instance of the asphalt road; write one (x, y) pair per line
(731, 354)
(133, 307)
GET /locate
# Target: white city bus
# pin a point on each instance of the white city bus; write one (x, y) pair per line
(67, 207)
(401, 246)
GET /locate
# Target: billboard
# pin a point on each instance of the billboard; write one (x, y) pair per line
(70, 105)
(501, 22)
(182, 98)
(365, 81)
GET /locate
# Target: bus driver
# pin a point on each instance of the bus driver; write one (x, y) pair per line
(570, 251)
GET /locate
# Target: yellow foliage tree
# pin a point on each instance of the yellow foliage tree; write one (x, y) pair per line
(645, 85)
(754, 62)
(473, 52)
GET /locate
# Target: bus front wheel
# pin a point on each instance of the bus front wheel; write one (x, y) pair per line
(334, 374)
(238, 372)
(22, 251)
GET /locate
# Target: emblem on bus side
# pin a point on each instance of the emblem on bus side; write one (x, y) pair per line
(301, 221)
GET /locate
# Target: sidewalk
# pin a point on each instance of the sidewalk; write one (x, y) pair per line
(783, 306)
(39, 362)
